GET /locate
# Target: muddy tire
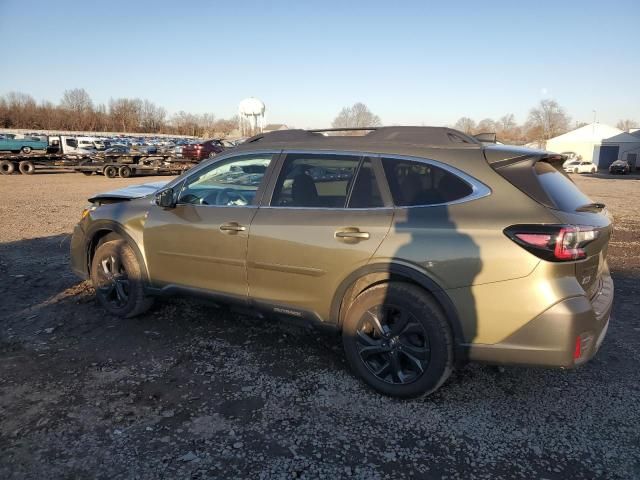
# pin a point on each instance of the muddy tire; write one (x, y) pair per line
(117, 277)
(110, 172)
(397, 339)
(6, 167)
(26, 167)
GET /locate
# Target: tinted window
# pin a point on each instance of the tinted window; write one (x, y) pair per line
(417, 183)
(314, 180)
(559, 188)
(231, 182)
(365, 192)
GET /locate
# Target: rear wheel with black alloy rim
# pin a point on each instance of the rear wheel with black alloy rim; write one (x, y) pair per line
(118, 280)
(398, 340)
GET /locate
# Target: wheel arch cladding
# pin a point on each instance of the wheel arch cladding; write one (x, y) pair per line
(102, 232)
(375, 274)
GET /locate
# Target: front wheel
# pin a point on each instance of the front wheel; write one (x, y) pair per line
(117, 277)
(593, 170)
(398, 340)
(212, 154)
(25, 149)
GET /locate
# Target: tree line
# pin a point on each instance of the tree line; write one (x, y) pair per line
(546, 120)
(77, 112)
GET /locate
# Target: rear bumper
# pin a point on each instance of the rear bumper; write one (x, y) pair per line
(550, 339)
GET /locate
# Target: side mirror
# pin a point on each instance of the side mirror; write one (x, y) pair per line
(165, 198)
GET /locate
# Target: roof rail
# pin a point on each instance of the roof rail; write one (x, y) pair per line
(434, 136)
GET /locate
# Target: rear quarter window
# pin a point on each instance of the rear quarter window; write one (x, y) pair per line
(415, 183)
(560, 189)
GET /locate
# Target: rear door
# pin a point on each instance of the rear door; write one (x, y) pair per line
(325, 217)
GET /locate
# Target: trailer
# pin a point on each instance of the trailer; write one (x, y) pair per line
(27, 164)
(123, 165)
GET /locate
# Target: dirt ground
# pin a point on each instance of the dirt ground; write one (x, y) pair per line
(191, 390)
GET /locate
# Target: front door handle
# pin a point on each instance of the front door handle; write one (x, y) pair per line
(351, 235)
(232, 227)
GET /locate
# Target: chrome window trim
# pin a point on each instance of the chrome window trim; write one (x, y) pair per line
(478, 189)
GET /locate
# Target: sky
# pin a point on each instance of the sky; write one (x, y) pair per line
(410, 62)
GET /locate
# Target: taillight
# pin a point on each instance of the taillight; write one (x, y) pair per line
(556, 243)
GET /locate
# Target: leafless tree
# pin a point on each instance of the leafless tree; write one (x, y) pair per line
(547, 120)
(627, 124)
(486, 125)
(507, 122)
(356, 116)
(466, 125)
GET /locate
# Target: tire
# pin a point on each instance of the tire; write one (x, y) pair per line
(593, 170)
(124, 171)
(7, 167)
(425, 336)
(87, 173)
(117, 277)
(110, 171)
(26, 167)
(212, 154)
(25, 149)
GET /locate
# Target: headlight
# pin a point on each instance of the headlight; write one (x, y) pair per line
(86, 211)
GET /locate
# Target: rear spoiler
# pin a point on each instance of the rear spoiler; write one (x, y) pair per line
(516, 165)
(486, 137)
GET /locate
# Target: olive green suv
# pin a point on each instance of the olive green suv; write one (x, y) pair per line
(426, 248)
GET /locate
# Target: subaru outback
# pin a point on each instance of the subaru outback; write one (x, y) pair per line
(425, 247)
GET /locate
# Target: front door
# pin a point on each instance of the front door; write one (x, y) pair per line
(202, 242)
(319, 226)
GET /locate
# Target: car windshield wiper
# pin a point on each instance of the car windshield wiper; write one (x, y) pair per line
(591, 207)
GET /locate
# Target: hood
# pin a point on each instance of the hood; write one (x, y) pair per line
(129, 193)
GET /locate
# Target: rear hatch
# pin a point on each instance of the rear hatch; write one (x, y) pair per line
(539, 174)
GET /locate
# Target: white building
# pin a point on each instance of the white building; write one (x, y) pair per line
(600, 144)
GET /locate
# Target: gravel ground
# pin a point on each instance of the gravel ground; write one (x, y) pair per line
(191, 390)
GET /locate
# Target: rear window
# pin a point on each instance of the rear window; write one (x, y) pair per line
(560, 189)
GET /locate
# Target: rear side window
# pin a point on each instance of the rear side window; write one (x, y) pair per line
(560, 189)
(315, 180)
(417, 183)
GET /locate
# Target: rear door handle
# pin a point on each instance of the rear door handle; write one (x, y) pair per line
(232, 227)
(351, 235)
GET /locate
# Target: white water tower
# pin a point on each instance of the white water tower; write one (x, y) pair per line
(251, 114)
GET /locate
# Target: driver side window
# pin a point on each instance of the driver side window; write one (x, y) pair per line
(232, 182)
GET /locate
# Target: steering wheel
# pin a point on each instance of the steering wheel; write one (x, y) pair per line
(192, 199)
(228, 195)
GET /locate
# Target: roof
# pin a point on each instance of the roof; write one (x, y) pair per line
(275, 126)
(623, 137)
(440, 137)
(591, 133)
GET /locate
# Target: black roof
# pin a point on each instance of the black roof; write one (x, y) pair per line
(441, 137)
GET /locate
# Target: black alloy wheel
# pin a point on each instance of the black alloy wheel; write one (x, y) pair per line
(113, 281)
(392, 344)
